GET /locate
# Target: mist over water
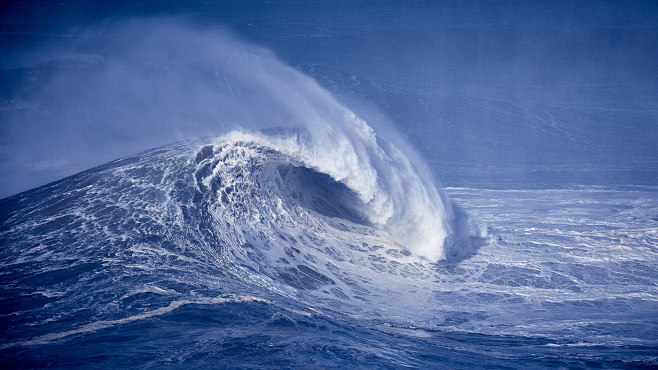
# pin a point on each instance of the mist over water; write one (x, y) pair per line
(498, 94)
(145, 83)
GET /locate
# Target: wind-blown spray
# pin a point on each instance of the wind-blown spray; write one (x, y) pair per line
(150, 82)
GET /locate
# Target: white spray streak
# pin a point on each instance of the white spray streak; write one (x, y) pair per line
(102, 324)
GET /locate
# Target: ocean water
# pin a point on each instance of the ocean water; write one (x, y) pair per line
(235, 254)
(279, 185)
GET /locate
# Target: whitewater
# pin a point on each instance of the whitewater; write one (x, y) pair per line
(266, 223)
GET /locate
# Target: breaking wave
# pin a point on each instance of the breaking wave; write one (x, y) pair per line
(173, 81)
(342, 176)
(298, 196)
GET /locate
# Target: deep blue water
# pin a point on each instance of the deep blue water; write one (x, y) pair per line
(350, 184)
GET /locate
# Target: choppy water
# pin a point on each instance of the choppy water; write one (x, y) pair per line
(234, 254)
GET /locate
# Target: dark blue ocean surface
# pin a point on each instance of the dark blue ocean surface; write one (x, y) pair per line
(350, 184)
